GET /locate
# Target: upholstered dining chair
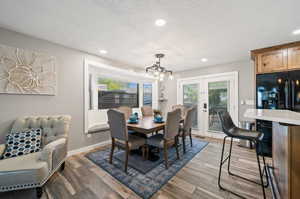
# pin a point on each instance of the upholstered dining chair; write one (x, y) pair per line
(182, 108)
(147, 111)
(186, 128)
(120, 136)
(170, 136)
(126, 110)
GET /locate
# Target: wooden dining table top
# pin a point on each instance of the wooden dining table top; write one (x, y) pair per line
(146, 125)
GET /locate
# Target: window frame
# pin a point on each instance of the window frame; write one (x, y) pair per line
(143, 86)
(118, 73)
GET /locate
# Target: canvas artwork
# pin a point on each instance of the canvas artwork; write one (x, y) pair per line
(26, 72)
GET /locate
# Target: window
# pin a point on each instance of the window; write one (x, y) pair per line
(114, 93)
(147, 94)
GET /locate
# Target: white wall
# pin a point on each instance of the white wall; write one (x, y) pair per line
(246, 83)
(69, 98)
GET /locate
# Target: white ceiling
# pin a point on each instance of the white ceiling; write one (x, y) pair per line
(220, 30)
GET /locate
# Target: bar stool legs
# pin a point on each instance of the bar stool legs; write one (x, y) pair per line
(261, 176)
(223, 161)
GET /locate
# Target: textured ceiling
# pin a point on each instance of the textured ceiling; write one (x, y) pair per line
(220, 30)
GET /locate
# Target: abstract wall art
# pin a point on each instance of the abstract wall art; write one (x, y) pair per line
(27, 72)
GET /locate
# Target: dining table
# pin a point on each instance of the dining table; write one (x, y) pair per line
(146, 125)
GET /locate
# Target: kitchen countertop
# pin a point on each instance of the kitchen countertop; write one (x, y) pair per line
(283, 116)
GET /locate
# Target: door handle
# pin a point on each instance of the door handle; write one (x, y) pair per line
(205, 107)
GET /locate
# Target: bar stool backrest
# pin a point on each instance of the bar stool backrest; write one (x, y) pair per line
(226, 122)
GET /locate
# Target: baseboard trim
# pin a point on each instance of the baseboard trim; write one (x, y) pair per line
(88, 148)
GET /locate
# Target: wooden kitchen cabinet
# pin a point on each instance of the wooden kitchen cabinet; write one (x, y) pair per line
(280, 58)
(294, 58)
(272, 61)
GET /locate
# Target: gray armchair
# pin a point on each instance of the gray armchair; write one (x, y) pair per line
(34, 169)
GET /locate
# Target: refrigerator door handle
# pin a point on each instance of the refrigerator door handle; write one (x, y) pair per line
(293, 94)
(286, 94)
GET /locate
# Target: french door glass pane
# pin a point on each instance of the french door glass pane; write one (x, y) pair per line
(190, 98)
(218, 100)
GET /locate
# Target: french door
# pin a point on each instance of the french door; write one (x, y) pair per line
(210, 94)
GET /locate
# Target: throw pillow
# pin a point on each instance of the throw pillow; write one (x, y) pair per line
(23, 143)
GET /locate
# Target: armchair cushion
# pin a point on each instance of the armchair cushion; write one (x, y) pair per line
(22, 172)
(22, 143)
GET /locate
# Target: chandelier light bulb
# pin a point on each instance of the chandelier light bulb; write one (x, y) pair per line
(157, 70)
(171, 77)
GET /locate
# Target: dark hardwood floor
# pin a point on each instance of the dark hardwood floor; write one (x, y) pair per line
(198, 179)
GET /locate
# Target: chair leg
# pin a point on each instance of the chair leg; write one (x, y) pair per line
(143, 152)
(166, 155)
(183, 143)
(112, 150)
(222, 161)
(191, 140)
(126, 157)
(62, 166)
(265, 170)
(39, 192)
(176, 147)
(229, 157)
(261, 176)
(221, 164)
(147, 153)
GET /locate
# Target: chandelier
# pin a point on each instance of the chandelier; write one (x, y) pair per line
(157, 71)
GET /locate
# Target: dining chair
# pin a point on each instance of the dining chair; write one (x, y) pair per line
(120, 136)
(182, 108)
(147, 111)
(170, 136)
(186, 127)
(126, 110)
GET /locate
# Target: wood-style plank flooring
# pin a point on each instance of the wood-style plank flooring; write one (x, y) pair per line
(198, 179)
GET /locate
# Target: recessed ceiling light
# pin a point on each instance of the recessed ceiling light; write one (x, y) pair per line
(103, 51)
(160, 22)
(204, 60)
(296, 32)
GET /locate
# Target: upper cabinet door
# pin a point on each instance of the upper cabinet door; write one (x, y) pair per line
(294, 58)
(272, 61)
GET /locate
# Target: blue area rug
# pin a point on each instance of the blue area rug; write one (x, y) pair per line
(145, 182)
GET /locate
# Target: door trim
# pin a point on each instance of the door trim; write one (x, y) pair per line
(200, 80)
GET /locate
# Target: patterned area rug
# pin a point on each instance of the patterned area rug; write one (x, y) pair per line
(145, 184)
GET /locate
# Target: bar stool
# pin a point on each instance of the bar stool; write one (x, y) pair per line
(232, 132)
